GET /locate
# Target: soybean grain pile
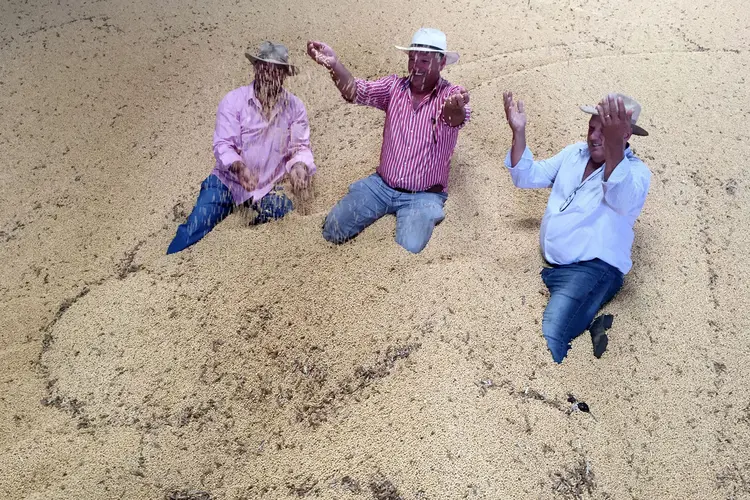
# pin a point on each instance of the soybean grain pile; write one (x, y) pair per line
(266, 363)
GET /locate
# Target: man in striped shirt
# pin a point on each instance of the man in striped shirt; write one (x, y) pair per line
(424, 113)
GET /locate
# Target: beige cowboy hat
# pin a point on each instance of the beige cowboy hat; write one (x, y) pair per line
(431, 40)
(273, 53)
(630, 104)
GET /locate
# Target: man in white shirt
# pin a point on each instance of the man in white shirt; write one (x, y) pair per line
(598, 190)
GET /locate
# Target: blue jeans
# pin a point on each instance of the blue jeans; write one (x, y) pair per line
(371, 198)
(577, 292)
(214, 204)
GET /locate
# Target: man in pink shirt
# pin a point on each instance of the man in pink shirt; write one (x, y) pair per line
(423, 114)
(261, 136)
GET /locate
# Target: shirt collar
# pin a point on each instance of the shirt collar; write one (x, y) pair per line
(253, 100)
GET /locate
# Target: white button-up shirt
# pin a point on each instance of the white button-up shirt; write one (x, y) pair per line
(586, 219)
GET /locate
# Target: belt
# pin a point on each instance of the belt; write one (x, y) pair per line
(437, 188)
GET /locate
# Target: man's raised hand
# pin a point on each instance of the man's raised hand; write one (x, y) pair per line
(616, 128)
(515, 113)
(457, 102)
(616, 121)
(321, 54)
(454, 109)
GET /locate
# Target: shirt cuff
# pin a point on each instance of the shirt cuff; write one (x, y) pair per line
(361, 97)
(467, 117)
(228, 157)
(527, 159)
(305, 157)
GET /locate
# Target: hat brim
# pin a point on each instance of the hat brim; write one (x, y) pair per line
(450, 57)
(290, 68)
(637, 130)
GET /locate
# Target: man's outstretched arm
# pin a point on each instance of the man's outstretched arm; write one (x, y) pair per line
(516, 116)
(227, 135)
(525, 172)
(326, 57)
(375, 93)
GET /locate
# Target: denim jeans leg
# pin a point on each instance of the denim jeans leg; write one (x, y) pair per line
(416, 218)
(577, 292)
(272, 206)
(366, 202)
(213, 205)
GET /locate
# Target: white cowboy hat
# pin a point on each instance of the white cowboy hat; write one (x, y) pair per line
(630, 104)
(431, 40)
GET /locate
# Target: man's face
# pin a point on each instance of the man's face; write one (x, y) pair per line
(269, 74)
(424, 69)
(595, 139)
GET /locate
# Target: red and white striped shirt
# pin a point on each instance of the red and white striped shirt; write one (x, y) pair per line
(417, 145)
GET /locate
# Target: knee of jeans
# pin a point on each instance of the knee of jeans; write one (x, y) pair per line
(557, 348)
(175, 246)
(281, 206)
(413, 243)
(431, 211)
(332, 231)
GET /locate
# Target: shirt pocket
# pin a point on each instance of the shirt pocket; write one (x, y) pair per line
(436, 131)
(441, 131)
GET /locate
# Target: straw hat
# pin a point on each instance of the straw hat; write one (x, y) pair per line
(431, 40)
(273, 53)
(630, 104)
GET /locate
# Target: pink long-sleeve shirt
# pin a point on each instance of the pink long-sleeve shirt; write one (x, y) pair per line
(268, 147)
